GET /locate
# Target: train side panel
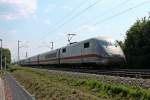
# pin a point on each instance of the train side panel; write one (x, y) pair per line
(34, 60)
(49, 58)
(83, 52)
(71, 54)
(89, 53)
(98, 51)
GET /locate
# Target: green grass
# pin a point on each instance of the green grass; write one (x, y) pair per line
(46, 87)
(0, 74)
(49, 86)
(112, 90)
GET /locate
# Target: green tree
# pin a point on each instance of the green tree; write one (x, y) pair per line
(137, 44)
(121, 44)
(7, 54)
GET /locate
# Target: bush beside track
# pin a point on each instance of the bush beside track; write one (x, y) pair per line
(61, 86)
(0, 74)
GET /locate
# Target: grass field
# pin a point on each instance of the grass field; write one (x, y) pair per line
(57, 86)
(1, 74)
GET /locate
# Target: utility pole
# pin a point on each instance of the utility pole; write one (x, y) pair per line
(49, 46)
(19, 50)
(5, 65)
(149, 15)
(1, 55)
(70, 36)
(26, 55)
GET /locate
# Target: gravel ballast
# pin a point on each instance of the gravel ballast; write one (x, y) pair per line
(143, 83)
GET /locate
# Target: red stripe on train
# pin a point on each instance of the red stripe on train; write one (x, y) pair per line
(82, 56)
(72, 57)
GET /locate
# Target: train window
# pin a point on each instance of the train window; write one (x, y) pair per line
(64, 50)
(108, 43)
(51, 55)
(86, 45)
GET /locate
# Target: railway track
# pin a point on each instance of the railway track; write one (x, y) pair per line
(132, 73)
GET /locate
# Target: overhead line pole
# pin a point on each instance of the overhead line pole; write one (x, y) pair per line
(51, 46)
(19, 50)
(5, 65)
(26, 55)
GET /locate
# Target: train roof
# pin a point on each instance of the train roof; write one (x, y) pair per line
(102, 38)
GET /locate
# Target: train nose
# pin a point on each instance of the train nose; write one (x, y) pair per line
(116, 60)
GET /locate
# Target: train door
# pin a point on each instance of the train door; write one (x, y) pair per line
(85, 52)
(59, 56)
(38, 59)
(82, 54)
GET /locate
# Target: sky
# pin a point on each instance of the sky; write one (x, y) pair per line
(36, 23)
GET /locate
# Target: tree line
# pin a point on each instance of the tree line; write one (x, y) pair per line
(5, 53)
(136, 45)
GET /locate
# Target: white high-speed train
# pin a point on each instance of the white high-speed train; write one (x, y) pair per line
(97, 51)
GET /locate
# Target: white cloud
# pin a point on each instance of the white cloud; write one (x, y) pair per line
(14, 9)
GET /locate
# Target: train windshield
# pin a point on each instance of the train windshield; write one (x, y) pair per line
(111, 47)
(107, 43)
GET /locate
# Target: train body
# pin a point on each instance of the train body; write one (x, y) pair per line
(99, 51)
